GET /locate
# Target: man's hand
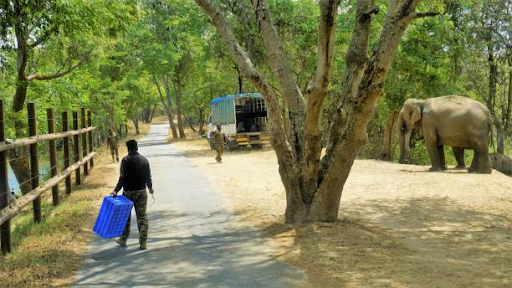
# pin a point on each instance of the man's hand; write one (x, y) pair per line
(113, 194)
(151, 191)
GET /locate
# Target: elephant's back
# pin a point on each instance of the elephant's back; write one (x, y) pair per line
(460, 120)
(459, 105)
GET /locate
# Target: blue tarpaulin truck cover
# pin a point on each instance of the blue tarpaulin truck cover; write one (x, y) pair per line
(223, 108)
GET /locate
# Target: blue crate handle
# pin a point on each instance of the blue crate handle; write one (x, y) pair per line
(119, 199)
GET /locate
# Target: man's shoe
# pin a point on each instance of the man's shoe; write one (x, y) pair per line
(143, 246)
(121, 242)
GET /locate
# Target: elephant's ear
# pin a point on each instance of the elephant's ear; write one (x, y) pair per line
(415, 115)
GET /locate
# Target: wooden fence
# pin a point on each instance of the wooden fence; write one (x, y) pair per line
(10, 210)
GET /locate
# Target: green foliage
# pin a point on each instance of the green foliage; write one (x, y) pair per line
(134, 43)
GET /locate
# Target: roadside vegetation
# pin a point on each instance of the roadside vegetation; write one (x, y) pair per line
(49, 253)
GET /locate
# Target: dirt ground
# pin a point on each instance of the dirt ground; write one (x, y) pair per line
(400, 226)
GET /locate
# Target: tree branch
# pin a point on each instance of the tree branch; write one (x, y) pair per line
(82, 60)
(416, 15)
(279, 140)
(316, 95)
(160, 93)
(425, 14)
(375, 10)
(325, 53)
(356, 60)
(278, 60)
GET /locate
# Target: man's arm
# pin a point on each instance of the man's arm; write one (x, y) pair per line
(149, 182)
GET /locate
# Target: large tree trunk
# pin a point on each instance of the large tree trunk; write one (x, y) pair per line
(504, 131)
(240, 80)
(24, 45)
(493, 79)
(500, 139)
(111, 122)
(190, 124)
(135, 121)
(150, 119)
(454, 9)
(179, 114)
(389, 133)
(20, 158)
(201, 121)
(167, 103)
(313, 184)
(147, 114)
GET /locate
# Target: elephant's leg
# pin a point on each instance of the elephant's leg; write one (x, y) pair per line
(484, 161)
(433, 152)
(442, 160)
(474, 163)
(459, 156)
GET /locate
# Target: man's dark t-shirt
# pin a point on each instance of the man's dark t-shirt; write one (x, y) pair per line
(135, 173)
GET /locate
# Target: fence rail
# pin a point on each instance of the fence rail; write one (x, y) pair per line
(10, 210)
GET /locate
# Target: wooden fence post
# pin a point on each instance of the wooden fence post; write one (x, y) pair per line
(76, 145)
(50, 115)
(84, 141)
(65, 145)
(5, 229)
(34, 161)
(91, 146)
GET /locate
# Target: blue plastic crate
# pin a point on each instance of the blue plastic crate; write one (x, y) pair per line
(113, 216)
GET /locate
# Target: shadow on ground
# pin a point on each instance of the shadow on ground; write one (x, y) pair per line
(204, 258)
(421, 242)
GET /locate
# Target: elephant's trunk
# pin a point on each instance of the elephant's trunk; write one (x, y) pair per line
(404, 135)
(408, 157)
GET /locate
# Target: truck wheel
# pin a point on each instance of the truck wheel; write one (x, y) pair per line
(257, 146)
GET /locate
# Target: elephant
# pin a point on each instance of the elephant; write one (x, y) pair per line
(452, 120)
(501, 163)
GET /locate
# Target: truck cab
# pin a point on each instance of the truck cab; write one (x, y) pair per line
(243, 119)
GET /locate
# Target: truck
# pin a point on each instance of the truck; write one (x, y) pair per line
(243, 119)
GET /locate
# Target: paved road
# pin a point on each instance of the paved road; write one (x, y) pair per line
(193, 241)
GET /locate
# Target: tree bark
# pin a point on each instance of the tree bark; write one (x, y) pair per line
(111, 123)
(19, 163)
(167, 103)
(190, 124)
(389, 132)
(179, 115)
(201, 121)
(493, 79)
(135, 121)
(503, 131)
(240, 80)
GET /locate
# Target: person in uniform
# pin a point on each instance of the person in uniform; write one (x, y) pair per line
(218, 143)
(134, 177)
(113, 145)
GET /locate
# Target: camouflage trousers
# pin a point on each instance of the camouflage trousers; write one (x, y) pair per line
(140, 201)
(115, 154)
(220, 150)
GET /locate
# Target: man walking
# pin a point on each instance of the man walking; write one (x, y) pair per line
(113, 145)
(134, 177)
(218, 143)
